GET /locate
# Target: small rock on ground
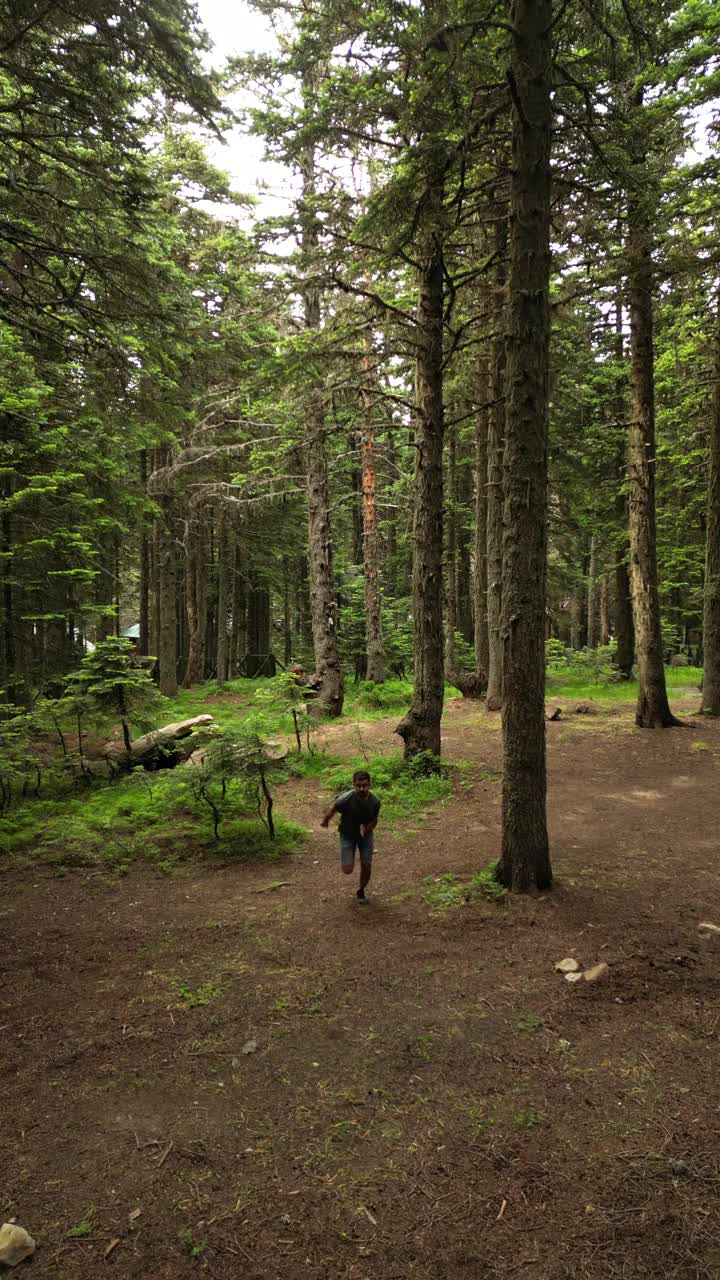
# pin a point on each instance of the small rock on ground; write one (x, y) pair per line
(15, 1244)
(708, 929)
(567, 966)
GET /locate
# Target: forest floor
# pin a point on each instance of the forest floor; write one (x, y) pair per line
(238, 1071)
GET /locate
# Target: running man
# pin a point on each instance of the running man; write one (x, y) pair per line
(358, 811)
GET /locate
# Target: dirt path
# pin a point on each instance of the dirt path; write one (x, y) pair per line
(424, 1097)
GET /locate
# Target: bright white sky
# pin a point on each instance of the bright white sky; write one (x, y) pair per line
(234, 28)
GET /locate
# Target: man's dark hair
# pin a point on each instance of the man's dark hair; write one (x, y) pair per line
(361, 775)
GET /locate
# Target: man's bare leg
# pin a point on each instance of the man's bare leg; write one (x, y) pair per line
(365, 874)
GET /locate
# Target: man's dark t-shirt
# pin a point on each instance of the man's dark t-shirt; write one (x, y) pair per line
(356, 811)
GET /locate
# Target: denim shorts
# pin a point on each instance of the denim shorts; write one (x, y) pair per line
(364, 845)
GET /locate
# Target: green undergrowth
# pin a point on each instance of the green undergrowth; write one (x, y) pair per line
(140, 816)
(403, 789)
(369, 701)
(443, 892)
(568, 684)
(229, 704)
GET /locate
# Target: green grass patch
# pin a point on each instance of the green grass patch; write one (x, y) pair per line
(198, 997)
(403, 789)
(442, 893)
(568, 684)
(140, 816)
(370, 701)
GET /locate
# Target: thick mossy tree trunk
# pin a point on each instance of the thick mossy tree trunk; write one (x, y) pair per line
(370, 528)
(495, 451)
(323, 603)
(711, 613)
(420, 728)
(525, 862)
(480, 579)
(653, 711)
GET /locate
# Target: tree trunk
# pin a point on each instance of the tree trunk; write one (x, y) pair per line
(8, 650)
(463, 574)
(356, 489)
(371, 529)
(287, 614)
(604, 611)
(239, 613)
(166, 603)
(154, 601)
(195, 603)
(711, 612)
(223, 552)
(323, 604)
(592, 612)
(495, 450)
(624, 632)
(451, 564)
(480, 580)
(653, 711)
(144, 585)
(525, 860)
(420, 728)
(258, 618)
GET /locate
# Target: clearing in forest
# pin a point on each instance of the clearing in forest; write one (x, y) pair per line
(232, 1070)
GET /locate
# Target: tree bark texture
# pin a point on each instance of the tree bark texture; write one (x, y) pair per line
(258, 618)
(592, 603)
(223, 645)
(463, 573)
(525, 862)
(451, 558)
(323, 603)
(420, 728)
(370, 527)
(495, 451)
(480, 579)
(144, 585)
(653, 711)
(195, 603)
(239, 612)
(604, 611)
(166, 605)
(711, 612)
(624, 631)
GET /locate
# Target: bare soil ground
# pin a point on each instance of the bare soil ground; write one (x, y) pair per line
(427, 1099)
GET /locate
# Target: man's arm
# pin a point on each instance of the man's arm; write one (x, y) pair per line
(325, 822)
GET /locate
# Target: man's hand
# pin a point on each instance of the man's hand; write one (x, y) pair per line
(325, 822)
(363, 831)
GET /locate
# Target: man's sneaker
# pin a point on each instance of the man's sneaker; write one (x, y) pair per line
(362, 900)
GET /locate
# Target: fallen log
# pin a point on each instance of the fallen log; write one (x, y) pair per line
(161, 748)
